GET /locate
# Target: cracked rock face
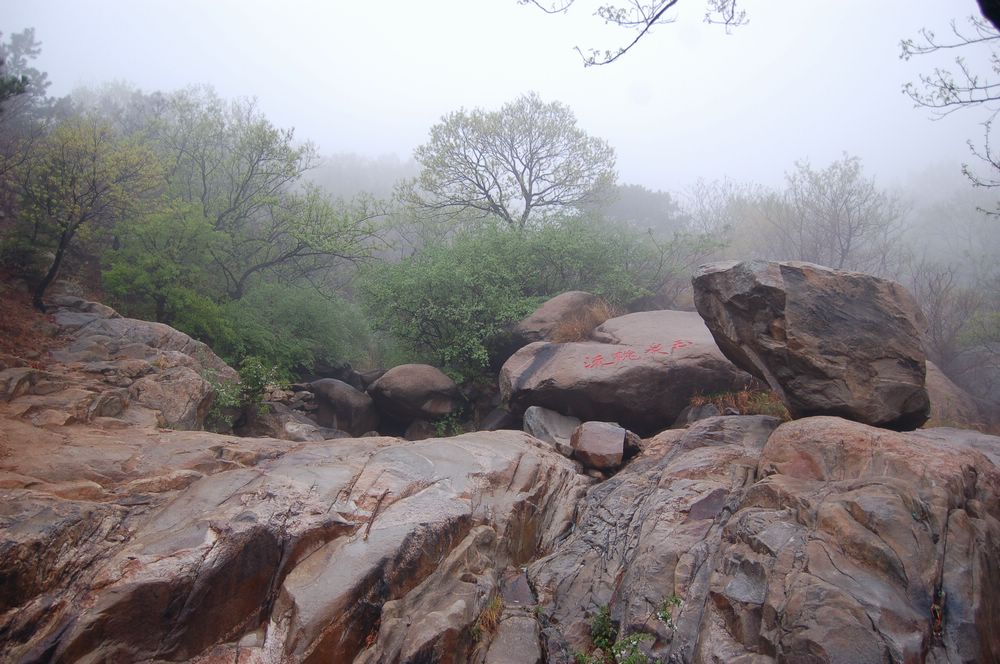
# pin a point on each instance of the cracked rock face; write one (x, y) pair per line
(824, 541)
(735, 540)
(188, 543)
(828, 342)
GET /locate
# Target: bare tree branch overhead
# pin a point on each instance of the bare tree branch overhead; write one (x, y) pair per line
(639, 16)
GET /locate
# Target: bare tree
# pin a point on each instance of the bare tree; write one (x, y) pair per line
(639, 16)
(835, 217)
(945, 91)
(519, 164)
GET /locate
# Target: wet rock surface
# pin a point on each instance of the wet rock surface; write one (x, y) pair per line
(735, 540)
(642, 374)
(181, 543)
(824, 541)
(828, 342)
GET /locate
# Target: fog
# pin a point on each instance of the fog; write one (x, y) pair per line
(803, 80)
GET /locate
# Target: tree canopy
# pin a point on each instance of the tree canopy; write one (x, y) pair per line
(519, 164)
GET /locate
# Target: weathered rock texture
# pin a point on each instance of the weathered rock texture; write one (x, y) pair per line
(599, 445)
(950, 404)
(824, 541)
(112, 367)
(736, 540)
(165, 546)
(642, 374)
(551, 427)
(828, 342)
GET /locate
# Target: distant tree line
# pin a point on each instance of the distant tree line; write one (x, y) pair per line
(197, 211)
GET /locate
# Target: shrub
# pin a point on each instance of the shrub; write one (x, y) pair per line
(489, 619)
(448, 302)
(749, 401)
(579, 325)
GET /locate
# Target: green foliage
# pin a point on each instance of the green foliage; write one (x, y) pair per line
(246, 394)
(665, 612)
(626, 649)
(517, 165)
(295, 328)
(255, 378)
(81, 179)
(159, 270)
(602, 630)
(449, 425)
(450, 301)
(609, 646)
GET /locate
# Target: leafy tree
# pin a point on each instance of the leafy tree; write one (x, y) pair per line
(520, 164)
(642, 209)
(833, 216)
(19, 81)
(24, 107)
(159, 269)
(296, 329)
(243, 174)
(81, 177)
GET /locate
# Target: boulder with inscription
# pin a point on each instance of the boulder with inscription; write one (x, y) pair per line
(642, 374)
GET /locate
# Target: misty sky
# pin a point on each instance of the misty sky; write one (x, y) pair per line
(805, 79)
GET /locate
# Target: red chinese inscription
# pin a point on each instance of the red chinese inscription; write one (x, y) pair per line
(629, 355)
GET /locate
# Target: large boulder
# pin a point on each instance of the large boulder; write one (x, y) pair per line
(599, 445)
(341, 406)
(645, 375)
(977, 371)
(98, 332)
(828, 342)
(415, 392)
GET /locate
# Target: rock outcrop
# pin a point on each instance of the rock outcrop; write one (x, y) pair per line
(154, 545)
(828, 342)
(129, 370)
(739, 539)
(599, 445)
(824, 541)
(950, 405)
(551, 427)
(642, 375)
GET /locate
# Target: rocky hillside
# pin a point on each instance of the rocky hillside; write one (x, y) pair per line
(128, 535)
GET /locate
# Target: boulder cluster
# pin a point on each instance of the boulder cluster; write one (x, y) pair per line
(613, 506)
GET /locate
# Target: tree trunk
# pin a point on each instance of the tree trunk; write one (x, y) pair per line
(50, 276)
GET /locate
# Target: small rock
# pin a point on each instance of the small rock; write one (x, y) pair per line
(599, 445)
